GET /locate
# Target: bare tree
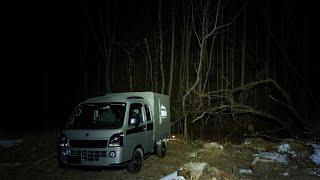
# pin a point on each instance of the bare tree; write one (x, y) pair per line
(202, 41)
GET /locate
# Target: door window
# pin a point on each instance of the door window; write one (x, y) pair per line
(148, 115)
(136, 112)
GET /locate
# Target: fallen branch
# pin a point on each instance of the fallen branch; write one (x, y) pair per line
(290, 108)
(11, 164)
(264, 83)
(175, 122)
(242, 109)
(199, 117)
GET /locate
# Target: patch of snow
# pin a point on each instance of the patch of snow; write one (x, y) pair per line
(285, 174)
(173, 176)
(245, 171)
(285, 148)
(213, 145)
(10, 143)
(272, 155)
(315, 157)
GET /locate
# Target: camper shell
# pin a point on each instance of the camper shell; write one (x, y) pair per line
(116, 129)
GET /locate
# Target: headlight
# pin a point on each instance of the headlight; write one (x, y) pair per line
(116, 140)
(63, 141)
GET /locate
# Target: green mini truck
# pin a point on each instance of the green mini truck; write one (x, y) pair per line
(117, 129)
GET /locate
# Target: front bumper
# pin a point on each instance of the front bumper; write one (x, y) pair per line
(91, 156)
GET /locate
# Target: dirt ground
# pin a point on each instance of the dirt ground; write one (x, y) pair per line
(47, 167)
(40, 162)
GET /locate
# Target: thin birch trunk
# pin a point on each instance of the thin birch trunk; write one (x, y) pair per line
(151, 65)
(233, 57)
(227, 58)
(210, 62)
(243, 48)
(161, 51)
(268, 39)
(172, 55)
(130, 73)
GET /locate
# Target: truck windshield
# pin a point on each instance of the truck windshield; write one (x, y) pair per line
(98, 116)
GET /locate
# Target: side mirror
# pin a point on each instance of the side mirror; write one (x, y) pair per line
(134, 121)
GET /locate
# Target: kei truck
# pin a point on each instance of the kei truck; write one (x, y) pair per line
(117, 129)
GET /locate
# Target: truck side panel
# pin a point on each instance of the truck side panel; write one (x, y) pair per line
(161, 117)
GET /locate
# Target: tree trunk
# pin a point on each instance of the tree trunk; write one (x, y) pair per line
(243, 49)
(130, 73)
(151, 65)
(210, 62)
(107, 76)
(99, 77)
(161, 51)
(146, 75)
(267, 64)
(222, 63)
(233, 57)
(172, 55)
(227, 58)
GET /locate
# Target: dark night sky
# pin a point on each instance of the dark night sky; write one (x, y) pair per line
(44, 44)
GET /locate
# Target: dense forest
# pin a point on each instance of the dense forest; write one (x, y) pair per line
(230, 67)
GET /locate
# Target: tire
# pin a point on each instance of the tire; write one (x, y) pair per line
(135, 164)
(60, 163)
(162, 150)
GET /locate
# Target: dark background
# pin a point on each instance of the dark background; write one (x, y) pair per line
(48, 45)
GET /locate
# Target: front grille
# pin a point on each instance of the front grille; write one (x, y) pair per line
(88, 155)
(88, 143)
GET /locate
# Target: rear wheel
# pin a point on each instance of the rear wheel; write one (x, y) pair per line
(162, 150)
(135, 164)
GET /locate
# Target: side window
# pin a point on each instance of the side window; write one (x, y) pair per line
(147, 112)
(136, 111)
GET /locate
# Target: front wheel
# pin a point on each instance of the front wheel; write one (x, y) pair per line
(60, 163)
(135, 164)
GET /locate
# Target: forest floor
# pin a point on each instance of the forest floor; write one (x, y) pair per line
(36, 158)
